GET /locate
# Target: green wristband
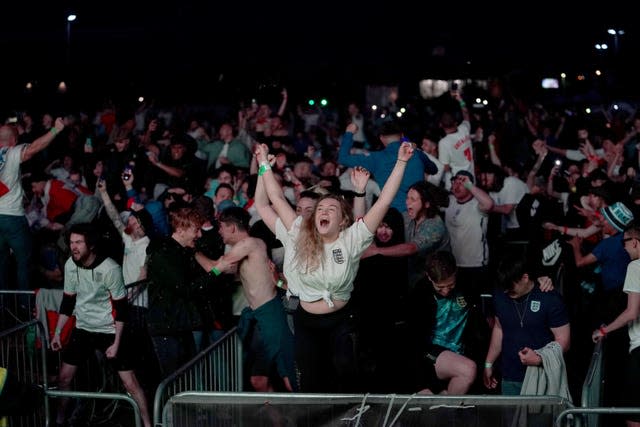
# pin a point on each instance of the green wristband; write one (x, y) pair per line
(488, 365)
(215, 271)
(58, 331)
(263, 169)
(54, 131)
(468, 185)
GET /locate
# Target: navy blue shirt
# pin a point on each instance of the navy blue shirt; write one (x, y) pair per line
(539, 312)
(613, 261)
(381, 163)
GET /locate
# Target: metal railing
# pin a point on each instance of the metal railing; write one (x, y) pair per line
(16, 307)
(233, 409)
(588, 412)
(216, 368)
(24, 352)
(27, 364)
(593, 387)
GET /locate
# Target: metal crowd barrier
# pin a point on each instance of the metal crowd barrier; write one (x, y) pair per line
(593, 387)
(27, 364)
(216, 368)
(16, 307)
(252, 409)
(26, 358)
(588, 412)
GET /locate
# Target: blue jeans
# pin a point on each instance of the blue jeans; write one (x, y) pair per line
(15, 235)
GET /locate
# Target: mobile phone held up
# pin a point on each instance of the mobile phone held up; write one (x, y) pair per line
(126, 174)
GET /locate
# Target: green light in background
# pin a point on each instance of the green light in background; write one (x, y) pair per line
(312, 102)
(324, 102)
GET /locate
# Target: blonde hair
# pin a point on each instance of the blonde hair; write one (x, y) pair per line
(309, 247)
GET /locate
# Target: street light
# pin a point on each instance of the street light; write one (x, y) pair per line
(70, 18)
(615, 33)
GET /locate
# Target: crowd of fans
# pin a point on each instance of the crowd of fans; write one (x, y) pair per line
(355, 253)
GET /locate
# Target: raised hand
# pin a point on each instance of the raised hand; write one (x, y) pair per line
(406, 151)
(359, 177)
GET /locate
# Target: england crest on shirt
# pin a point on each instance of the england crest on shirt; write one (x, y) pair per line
(535, 306)
(461, 301)
(337, 256)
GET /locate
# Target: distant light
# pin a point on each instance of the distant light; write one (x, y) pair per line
(587, 110)
(621, 32)
(485, 102)
(580, 77)
(62, 87)
(383, 115)
(398, 114)
(403, 110)
(312, 102)
(478, 100)
(598, 73)
(550, 83)
(616, 107)
(608, 125)
(468, 62)
(324, 102)
(604, 46)
(29, 86)
(374, 107)
(611, 31)
(71, 17)
(563, 75)
(141, 99)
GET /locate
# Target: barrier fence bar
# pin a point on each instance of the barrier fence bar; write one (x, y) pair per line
(216, 368)
(26, 362)
(102, 396)
(248, 409)
(591, 411)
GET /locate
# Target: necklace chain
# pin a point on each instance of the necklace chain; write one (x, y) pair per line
(524, 311)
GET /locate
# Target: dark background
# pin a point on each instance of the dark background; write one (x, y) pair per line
(196, 51)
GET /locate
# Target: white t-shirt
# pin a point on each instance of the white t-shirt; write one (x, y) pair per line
(334, 277)
(135, 254)
(632, 284)
(467, 226)
(10, 158)
(95, 288)
(436, 178)
(455, 150)
(511, 193)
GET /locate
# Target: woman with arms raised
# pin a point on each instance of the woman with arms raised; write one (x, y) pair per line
(322, 256)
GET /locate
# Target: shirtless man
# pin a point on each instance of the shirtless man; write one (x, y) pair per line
(265, 306)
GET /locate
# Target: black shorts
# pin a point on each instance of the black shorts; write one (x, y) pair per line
(83, 343)
(631, 381)
(429, 378)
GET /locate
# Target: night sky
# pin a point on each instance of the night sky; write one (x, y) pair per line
(192, 49)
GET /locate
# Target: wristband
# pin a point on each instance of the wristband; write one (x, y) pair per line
(463, 104)
(364, 193)
(263, 169)
(53, 131)
(215, 271)
(58, 330)
(403, 161)
(603, 331)
(468, 185)
(488, 365)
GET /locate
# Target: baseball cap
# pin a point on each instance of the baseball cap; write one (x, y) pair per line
(618, 215)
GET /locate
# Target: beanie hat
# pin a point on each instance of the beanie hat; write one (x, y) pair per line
(618, 215)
